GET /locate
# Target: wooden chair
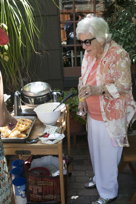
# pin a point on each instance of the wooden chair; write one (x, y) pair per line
(129, 153)
(128, 158)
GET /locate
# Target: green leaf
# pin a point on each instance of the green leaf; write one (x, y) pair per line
(122, 25)
(18, 16)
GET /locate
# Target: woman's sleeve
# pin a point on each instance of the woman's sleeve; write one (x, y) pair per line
(121, 74)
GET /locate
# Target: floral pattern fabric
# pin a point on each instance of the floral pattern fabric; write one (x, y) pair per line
(5, 181)
(117, 106)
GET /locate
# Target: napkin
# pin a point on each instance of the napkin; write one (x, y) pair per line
(51, 129)
(52, 138)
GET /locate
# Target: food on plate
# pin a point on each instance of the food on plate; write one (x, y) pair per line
(20, 130)
(21, 135)
(14, 134)
(5, 131)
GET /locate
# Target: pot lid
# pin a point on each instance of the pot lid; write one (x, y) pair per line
(37, 88)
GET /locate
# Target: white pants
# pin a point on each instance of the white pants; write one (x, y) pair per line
(105, 158)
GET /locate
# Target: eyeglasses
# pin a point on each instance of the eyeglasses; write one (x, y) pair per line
(87, 42)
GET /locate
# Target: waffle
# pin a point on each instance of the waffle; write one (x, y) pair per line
(23, 124)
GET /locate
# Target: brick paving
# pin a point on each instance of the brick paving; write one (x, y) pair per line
(81, 171)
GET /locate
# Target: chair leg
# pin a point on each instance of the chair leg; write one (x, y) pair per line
(122, 165)
(132, 168)
(133, 198)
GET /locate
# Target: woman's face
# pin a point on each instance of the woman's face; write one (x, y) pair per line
(91, 45)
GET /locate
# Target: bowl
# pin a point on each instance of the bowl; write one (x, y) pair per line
(35, 89)
(46, 114)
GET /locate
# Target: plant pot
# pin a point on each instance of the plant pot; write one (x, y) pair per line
(76, 128)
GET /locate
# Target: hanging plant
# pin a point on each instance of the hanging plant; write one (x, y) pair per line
(17, 18)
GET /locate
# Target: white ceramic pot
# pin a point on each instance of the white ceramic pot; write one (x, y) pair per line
(46, 114)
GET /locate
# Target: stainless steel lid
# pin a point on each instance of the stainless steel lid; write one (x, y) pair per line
(37, 88)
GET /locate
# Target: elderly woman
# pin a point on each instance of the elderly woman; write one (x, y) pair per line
(5, 119)
(105, 95)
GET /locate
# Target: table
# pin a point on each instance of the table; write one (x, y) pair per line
(38, 148)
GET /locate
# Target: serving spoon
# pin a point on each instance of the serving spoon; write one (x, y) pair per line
(65, 99)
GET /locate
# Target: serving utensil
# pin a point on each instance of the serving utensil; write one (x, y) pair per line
(65, 99)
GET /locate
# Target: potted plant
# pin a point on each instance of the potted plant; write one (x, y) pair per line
(17, 18)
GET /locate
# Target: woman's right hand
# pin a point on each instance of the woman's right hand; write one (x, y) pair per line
(6, 118)
(12, 122)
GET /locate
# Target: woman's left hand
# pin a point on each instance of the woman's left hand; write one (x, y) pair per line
(88, 90)
(85, 92)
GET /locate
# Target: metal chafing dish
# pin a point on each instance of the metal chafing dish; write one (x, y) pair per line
(36, 93)
(31, 95)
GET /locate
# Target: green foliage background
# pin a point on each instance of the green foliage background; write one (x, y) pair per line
(121, 17)
(73, 104)
(18, 16)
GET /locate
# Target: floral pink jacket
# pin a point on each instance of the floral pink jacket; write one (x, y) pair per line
(118, 106)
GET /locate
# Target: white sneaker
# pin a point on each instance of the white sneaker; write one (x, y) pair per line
(90, 184)
(104, 201)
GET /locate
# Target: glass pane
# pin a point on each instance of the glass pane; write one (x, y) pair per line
(79, 5)
(72, 11)
(100, 7)
(84, 6)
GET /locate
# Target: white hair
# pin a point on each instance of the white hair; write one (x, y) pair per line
(95, 26)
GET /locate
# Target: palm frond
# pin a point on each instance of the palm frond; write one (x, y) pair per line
(18, 15)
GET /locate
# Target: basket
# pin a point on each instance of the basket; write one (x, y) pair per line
(41, 187)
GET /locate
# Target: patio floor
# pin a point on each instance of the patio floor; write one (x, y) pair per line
(82, 170)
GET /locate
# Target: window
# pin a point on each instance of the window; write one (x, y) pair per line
(71, 12)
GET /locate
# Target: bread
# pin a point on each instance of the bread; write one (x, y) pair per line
(5, 132)
(14, 134)
(20, 130)
(21, 135)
